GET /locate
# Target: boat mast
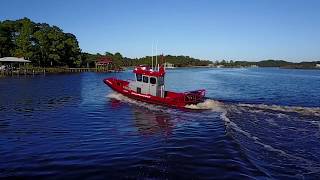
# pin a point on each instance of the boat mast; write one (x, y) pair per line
(152, 57)
(163, 62)
(156, 56)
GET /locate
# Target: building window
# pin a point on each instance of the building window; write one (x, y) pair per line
(153, 80)
(139, 77)
(145, 79)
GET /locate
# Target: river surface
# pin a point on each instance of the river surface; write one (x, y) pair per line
(258, 123)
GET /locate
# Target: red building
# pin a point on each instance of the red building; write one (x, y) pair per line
(104, 62)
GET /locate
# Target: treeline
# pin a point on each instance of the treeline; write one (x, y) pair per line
(264, 63)
(268, 63)
(120, 61)
(89, 60)
(302, 65)
(49, 46)
(42, 44)
(178, 61)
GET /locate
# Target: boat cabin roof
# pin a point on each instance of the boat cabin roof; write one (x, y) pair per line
(146, 70)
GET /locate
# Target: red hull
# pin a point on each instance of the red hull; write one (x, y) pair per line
(173, 99)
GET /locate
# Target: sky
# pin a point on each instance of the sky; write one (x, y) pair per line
(207, 29)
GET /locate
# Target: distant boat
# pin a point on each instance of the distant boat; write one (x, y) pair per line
(168, 65)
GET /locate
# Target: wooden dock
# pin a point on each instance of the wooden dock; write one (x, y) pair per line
(44, 71)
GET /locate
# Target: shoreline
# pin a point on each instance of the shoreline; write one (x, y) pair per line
(44, 71)
(57, 70)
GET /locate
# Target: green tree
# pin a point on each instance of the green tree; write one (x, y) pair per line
(72, 52)
(117, 60)
(7, 45)
(43, 44)
(23, 40)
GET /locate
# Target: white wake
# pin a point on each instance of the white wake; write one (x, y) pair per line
(208, 104)
(313, 111)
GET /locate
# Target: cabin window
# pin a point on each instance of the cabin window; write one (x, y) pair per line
(139, 90)
(139, 77)
(145, 79)
(161, 81)
(153, 80)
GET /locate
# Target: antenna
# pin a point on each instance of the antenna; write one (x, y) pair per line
(162, 61)
(157, 55)
(152, 57)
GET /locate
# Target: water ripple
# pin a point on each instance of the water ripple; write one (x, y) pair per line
(73, 126)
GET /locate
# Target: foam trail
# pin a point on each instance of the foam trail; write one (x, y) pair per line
(153, 107)
(208, 104)
(310, 165)
(123, 98)
(116, 96)
(172, 111)
(218, 106)
(314, 111)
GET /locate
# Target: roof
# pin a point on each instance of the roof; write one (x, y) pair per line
(104, 60)
(13, 59)
(146, 70)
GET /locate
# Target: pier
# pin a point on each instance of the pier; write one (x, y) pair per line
(13, 66)
(44, 71)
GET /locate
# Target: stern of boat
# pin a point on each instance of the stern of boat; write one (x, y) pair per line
(194, 97)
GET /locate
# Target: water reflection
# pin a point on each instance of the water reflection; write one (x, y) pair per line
(146, 121)
(149, 122)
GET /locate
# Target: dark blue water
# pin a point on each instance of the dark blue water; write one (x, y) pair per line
(260, 123)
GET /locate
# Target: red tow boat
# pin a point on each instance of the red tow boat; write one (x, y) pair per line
(149, 87)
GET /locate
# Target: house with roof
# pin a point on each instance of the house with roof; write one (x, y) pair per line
(104, 63)
(9, 62)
